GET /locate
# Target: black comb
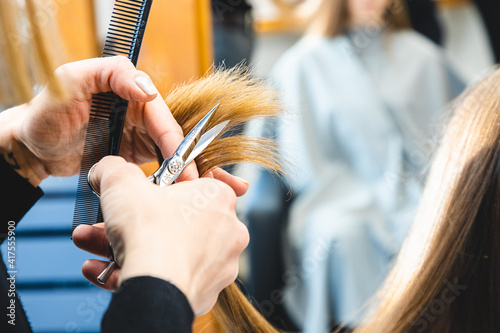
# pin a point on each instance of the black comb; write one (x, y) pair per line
(108, 111)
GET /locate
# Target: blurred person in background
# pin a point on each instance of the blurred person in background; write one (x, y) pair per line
(366, 90)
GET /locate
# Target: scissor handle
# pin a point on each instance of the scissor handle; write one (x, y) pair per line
(168, 172)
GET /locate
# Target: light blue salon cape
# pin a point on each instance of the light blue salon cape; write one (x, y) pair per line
(362, 109)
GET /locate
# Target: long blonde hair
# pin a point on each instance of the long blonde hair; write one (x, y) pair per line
(29, 55)
(242, 98)
(447, 277)
(332, 18)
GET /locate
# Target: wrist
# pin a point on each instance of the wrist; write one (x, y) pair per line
(17, 155)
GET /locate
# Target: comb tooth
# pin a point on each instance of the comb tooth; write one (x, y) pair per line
(100, 110)
(120, 10)
(120, 20)
(113, 37)
(105, 117)
(87, 204)
(114, 32)
(124, 29)
(122, 15)
(129, 4)
(114, 54)
(114, 42)
(107, 112)
(117, 48)
(127, 11)
(101, 106)
(104, 104)
(97, 111)
(120, 5)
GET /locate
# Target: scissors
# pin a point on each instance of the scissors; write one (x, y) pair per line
(197, 140)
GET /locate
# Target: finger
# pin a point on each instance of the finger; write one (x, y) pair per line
(166, 133)
(91, 269)
(115, 171)
(92, 238)
(209, 174)
(116, 74)
(239, 185)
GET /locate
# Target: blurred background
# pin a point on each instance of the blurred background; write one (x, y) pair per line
(183, 40)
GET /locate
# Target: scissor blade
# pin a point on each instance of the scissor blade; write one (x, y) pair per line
(205, 140)
(192, 138)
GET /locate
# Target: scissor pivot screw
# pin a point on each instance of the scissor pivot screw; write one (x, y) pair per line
(176, 165)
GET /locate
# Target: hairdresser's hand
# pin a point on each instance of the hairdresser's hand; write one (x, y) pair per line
(187, 233)
(93, 239)
(46, 136)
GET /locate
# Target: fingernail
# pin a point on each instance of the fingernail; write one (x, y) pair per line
(242, 180)
(146, 85)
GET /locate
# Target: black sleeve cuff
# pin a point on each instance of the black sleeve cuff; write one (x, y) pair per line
(148, 304)
(18, 196)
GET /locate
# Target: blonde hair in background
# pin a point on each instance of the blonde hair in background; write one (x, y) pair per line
(447, 277)
(332, 18)
(30, 54)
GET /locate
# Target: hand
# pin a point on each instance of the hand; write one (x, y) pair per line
(187, 233)
(46, 136)
(93, 239)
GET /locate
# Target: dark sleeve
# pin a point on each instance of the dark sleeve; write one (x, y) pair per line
(17, 196)
(424, 19)
(148, 304)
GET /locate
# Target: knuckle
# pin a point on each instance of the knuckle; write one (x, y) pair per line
(123, 60)
(242, 236)
(230, 274)
(122, 65)
(226, 193)
(234, 274)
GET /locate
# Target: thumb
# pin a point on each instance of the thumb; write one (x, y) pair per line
(114, 171)
(116, 74)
